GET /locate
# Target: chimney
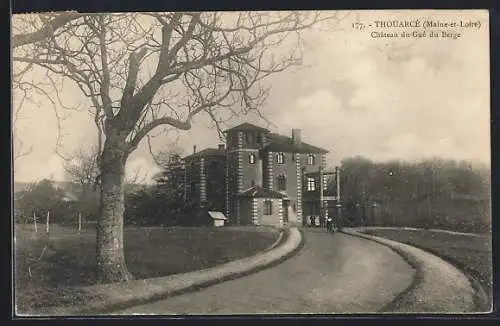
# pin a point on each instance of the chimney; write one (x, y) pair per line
(222, 147)
(296, 136)
(194, 149)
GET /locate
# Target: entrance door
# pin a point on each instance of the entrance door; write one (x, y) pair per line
(286, 204)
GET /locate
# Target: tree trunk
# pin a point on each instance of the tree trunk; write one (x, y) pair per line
(110, 257)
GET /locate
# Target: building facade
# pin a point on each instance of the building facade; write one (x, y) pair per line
(260, 178)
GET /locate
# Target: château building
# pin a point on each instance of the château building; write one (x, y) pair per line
(259, 177)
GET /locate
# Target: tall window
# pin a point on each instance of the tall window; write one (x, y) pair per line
(250, 138)
(194, 189)
(311, 184)
(251, 158)
(310, 159)
(281, 182)
(268, 207)
(280, 158)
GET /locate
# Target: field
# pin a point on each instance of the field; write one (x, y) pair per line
(471, 254)
(50, 267)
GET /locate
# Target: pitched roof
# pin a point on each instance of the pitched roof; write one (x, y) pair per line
(207, 152)
(259, 192)
(281, 143)
(217, 215)
(247, 127)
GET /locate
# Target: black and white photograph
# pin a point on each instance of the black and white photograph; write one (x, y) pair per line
(251, 163)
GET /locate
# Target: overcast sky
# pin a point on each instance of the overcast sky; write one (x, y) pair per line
(382, 98)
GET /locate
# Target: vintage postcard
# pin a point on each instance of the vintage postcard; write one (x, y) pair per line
(272, 162)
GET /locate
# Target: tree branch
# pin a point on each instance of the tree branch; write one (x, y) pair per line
(46, 31)
(183, 125)
(105, 84)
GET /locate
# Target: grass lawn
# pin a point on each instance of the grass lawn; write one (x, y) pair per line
(49, 267)
(471, 254)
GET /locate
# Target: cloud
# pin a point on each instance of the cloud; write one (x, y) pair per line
(410, 101)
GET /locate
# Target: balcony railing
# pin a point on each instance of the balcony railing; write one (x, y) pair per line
(328, 194)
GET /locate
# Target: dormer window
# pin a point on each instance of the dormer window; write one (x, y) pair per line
(280, 158)
(250, 138)
(251, 158)
(310, 159)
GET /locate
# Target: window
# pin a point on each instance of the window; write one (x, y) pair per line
(194, 189)
(280, 158)
(268, 207)
(249, 138)
(281, 182)
(311, 184)
(310, 159)
(251, 158)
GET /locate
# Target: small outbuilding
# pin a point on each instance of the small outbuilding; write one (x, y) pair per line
(218, 218)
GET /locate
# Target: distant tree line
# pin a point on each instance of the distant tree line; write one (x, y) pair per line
(432, 193)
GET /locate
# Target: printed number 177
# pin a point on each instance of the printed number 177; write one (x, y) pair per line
(358, 26)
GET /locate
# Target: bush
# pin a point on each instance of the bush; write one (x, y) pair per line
(149, 206)
(41, 198)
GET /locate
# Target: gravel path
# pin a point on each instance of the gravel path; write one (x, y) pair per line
(439, 286)
(335, 273)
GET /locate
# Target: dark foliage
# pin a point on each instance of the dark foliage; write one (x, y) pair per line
(429, 194)
(161, 203)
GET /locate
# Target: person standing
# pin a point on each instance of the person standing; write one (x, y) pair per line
(329, 224)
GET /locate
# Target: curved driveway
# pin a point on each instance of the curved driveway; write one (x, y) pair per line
(333, 273)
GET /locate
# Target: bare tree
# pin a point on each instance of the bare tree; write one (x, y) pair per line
(146, 71)
(83, 167)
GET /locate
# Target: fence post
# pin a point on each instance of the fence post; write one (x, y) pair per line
(48, 220)
(34, 220)
(79, 222)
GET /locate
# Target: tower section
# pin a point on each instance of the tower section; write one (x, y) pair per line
(244, 165)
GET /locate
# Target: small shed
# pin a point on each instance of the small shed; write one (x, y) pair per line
(218, 218)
